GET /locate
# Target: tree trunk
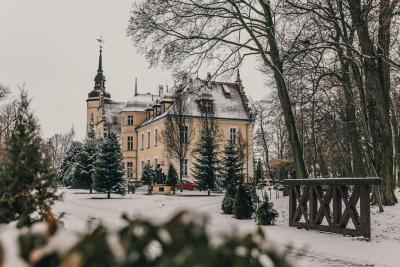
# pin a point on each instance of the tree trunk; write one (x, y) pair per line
(351, 122)
(277, 67)
(180, 175)
(378, 105)
(108, 194)
(209, 192)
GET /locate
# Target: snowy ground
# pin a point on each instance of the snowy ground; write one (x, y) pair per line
(309, 248)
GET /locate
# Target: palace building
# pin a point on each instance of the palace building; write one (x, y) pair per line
(139, 123)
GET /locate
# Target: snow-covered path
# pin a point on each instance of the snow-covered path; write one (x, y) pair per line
(310, 248)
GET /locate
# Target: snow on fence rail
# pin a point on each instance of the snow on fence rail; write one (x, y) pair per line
(313, 200)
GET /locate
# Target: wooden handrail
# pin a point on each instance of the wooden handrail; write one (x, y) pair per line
(334, 181)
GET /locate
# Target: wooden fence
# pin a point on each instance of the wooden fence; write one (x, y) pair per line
(333, 199)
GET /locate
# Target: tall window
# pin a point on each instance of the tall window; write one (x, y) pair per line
(184, 134)
(185, 167)
(232, 136)
(148, 139)
(148, 162)
(130, 143)
(130, 120)
(142, 141)
(155, 162)
(129, 170)
(142, 164)
(155, 137)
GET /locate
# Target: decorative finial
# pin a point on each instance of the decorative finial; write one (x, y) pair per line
(101, 42)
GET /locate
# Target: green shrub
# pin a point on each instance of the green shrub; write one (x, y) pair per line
(229, 199)
(243, 206)
(266, 214)
(181, 242)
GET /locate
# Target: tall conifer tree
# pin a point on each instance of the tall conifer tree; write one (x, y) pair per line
(232, 166)
(258, 176)
(108, 168)
(85, 165)
(148, 176)
(172, 177)
(27, 181)
(68, 164)
(206, 158)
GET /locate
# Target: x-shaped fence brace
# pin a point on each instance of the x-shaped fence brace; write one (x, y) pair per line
(313, 200)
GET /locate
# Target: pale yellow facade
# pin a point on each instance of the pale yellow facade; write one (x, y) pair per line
(139, 123)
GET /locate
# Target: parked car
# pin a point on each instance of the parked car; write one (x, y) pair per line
(187, 185)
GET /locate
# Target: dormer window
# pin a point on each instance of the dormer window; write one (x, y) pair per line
(206, 106)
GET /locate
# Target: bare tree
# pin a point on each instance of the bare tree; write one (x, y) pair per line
(57, 146)
(194, 33)
(178, 129)
(8, 116)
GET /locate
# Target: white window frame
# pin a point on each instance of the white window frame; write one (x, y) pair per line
(155, 137)
(129, 169)
(129, 143)
(233, 135)
(185, 167)
(130, 120)
(185, 134)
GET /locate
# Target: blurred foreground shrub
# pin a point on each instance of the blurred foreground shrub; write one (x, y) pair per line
(180, 242)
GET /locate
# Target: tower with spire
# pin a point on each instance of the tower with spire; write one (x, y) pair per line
(97, 98)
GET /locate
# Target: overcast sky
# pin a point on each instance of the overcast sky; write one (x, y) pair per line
(49, 45)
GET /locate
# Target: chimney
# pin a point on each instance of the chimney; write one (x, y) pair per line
(160, 90)
(136, 92)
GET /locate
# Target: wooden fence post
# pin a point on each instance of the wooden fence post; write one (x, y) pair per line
(292, 205)
(337, 206)
(365, 216)
(313, 208)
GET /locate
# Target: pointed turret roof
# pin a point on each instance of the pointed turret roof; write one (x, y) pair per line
(99, 80)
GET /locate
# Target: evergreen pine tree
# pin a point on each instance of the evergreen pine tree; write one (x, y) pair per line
(108, 168)
(243, 206)
(84, 166)
(91, 148)
(206, 159)
(229, 199)
(66, 172)
(259, 173)
(148, 176)
(172, 177)
(266, 214)
(27, 182)
(232, 166)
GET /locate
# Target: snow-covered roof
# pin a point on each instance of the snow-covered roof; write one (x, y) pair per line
(229, 101)
(139, 102)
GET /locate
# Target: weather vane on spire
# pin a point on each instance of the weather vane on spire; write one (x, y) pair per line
(101, 42)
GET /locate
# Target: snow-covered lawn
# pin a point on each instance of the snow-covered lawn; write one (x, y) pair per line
(309, 248)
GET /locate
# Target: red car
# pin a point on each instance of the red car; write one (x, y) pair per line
(187, 185)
